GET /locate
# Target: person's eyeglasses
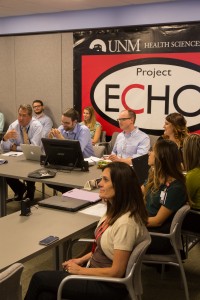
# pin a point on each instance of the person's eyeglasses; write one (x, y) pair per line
(123, 119)
(36, 106)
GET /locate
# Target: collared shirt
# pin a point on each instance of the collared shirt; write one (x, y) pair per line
(34, 130)
(82, 134)
(46, 122)
(133, 144)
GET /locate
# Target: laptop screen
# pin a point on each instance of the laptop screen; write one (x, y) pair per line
(63, 154)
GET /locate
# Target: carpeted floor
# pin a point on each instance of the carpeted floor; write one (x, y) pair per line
(154, 287)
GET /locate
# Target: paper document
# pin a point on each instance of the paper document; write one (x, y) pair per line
(12, 153)
(82, 195)
(95, 210)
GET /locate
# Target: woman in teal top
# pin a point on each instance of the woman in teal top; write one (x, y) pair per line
(165, 191)
(191, 155)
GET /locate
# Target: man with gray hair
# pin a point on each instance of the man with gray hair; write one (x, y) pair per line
(22, 131)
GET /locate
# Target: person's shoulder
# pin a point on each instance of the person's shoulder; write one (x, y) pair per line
(192, 174)
(34, 122)
(98, 124)
(46, 116)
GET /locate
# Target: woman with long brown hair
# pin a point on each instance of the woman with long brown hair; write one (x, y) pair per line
(117, 232)
(164, 192)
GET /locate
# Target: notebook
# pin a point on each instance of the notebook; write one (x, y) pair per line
(65, 203)
(141, 167)
(31, 152)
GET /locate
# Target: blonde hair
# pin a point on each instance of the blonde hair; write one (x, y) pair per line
(191, 151)
(92, 121)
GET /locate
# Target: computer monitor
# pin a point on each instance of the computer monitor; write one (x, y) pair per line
(64, 154)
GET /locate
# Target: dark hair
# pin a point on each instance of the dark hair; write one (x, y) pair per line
(38, 101)
(179, 125)
(26, 107)
(191, 151)
(167, 163)
(128, 195)
(71, 113)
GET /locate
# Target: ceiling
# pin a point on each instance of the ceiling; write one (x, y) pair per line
(10, 8)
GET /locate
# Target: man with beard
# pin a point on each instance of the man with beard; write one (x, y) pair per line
(47, 123)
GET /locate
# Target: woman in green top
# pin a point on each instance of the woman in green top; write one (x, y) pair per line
(191, 155)
(164, 192)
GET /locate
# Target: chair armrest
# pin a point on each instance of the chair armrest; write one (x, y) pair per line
(197, 212)
(166, 235)
(85, 277)
(86, 240)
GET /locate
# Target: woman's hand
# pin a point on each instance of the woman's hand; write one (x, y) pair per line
(73, 268)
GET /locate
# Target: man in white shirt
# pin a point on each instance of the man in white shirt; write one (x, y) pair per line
(12, 140)
(130, 143)
(47, 123)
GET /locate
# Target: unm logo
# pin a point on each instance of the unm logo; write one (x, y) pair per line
(98, 46)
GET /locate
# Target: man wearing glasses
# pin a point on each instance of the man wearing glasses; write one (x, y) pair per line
(38, 108)
(130, 143)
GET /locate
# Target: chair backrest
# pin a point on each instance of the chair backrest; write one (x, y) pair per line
(102, 136)
(10, 286)
(134, 266)
(98, 150)
(113, 140)
(153, 139)
(177, 224)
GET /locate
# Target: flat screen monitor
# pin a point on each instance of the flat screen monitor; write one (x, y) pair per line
(64, 154)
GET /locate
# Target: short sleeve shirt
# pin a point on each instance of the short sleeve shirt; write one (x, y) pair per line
(122, 235)
(172, 197)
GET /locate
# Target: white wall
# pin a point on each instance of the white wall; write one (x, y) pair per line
(179, 11)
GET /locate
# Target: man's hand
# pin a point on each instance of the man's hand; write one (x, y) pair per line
(13, 147)
(55, 133)
(11, 134)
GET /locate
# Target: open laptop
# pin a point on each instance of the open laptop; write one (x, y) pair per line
(31, 152)
(65, 203)
(141, 167)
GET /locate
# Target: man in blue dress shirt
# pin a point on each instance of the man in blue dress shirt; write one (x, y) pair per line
(130, 143)
(72, 130)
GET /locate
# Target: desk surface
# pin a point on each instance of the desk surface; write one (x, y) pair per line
(21, 235)
(19, 167)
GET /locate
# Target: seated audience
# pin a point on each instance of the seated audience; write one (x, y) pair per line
(90, 121)
(47, 123)
(117, 232)
(25, 130)
(130, 143)
(1, 121)
(164, 192)
(191, 156)
(176, 130)
(72, 130)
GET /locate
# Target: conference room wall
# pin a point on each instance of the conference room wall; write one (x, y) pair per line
(36, 67)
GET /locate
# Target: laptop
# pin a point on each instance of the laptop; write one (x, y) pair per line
(65, 203)
(31, 152)
(141, 167)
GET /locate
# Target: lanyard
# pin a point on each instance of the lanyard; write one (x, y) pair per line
(100, 230)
